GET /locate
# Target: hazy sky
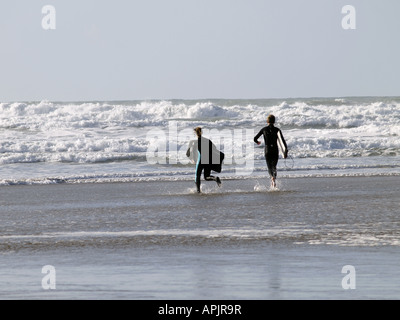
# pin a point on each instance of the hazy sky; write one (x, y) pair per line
(190, 49)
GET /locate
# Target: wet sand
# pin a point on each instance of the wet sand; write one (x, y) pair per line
(161, 240)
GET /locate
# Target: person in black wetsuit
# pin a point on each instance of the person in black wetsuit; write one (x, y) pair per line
(271, 150)
(206, 156)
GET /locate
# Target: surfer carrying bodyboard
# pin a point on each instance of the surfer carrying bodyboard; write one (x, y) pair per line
(206, 156)
(274, 142)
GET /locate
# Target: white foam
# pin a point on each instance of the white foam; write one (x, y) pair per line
(313, 237)
(80, 115)
(213, 233)
(102, 132)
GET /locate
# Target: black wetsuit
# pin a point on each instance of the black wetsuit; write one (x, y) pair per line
(271, 150)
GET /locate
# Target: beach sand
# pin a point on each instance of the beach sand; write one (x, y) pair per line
(161, 240)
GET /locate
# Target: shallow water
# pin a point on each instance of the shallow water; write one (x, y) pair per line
(160, 240)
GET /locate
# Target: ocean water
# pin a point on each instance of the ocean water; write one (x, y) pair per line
(52, 142)
(158, 240)
(103, 193)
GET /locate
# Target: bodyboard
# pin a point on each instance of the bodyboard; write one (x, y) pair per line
(282, 148)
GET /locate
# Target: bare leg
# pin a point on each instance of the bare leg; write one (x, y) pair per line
(273, 182)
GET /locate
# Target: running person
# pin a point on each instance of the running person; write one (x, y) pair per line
(271, 150)
(206, 156)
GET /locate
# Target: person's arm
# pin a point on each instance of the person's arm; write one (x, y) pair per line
(188, 150)
(257, 136)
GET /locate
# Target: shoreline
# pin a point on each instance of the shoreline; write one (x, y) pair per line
(161, 240)
(74, 181)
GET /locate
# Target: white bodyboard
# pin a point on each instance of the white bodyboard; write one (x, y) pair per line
(281, 145)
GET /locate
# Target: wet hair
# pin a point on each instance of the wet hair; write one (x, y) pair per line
(271, 119)
(198, 131)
